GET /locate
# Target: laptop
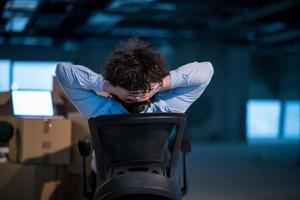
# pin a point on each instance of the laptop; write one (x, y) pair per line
(32, 103)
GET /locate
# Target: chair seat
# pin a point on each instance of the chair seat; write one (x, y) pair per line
(138, 184)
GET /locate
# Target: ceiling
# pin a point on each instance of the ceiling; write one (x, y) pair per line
(264, 22)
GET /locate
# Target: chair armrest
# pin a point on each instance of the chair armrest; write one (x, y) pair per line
(84, 147)
(186, 146)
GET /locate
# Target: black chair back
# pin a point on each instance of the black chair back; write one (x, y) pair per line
(137, 147)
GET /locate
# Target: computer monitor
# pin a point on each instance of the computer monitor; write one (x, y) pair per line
(32, 103)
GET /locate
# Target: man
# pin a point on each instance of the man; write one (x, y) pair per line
(136, 80)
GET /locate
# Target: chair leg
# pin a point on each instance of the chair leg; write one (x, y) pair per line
(84, 150)
(185, 148)
(93, 181)
(87, 194)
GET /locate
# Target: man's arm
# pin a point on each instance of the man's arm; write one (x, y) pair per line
(185, 84)
(83, 86)
(79, 84)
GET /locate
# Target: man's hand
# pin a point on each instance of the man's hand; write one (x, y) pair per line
(136, 96)
(155, 88)
(120, 92)
(144, 96)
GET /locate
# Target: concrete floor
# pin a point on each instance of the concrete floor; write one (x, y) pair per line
(244, 172)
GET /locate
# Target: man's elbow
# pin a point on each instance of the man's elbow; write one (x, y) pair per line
(60, 72)
(209, 69)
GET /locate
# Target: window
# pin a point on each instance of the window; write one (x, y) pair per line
(4, 75)
(292, 120)
(263, 119)
(33, 75)
(273, 119)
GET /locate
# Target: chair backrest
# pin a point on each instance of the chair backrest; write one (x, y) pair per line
(137, 143)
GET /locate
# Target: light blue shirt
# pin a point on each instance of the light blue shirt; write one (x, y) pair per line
(82, 86)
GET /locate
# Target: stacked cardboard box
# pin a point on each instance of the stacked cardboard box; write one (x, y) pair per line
(42, 151)
(38, 152)
(5, 103)
(37, 141)
(42, 141)
(34, 182)
(59, 97)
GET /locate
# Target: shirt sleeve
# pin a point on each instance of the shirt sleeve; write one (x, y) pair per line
(80, 85)
(187, 84)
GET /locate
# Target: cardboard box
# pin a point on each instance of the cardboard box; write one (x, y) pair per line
(80, 131)
(58, 94)
(5, 103)
(32, 182)
(4, 98)
(42, 141)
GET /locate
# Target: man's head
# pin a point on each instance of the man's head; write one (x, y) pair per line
(134, 66)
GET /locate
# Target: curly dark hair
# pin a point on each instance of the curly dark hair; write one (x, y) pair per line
(134, 66)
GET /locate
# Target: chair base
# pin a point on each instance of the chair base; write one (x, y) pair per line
(142, 197)
(138, 185)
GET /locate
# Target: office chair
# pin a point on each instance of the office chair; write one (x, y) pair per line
(137, 156)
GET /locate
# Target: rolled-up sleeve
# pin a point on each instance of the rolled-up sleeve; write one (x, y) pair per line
(188, 82)
(192, 74)
(77, 76)
(79, 84)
